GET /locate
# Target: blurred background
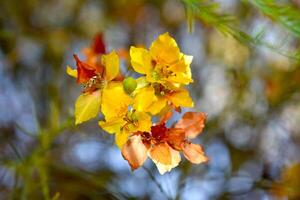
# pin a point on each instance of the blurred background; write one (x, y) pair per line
(246, 78)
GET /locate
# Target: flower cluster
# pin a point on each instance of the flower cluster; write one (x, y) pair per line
(129, 105)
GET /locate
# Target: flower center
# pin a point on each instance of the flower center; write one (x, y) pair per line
(94, 83)
(159, 132)
(131, 119)
(160, 90)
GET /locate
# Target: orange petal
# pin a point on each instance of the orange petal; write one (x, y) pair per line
(175, 159)
(192, 123)
(194, 153)
(85, 71)
(176, 137)
(161, 154)
(135, 152)
(165, 117)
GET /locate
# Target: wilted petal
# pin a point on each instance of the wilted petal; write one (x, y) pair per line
(193, 123)
(161, 153)
(176, 138)
(135, 152)
(164, 157)
(194, 153)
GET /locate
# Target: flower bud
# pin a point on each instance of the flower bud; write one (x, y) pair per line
(129, 85)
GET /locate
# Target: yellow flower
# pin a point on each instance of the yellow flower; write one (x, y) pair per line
(88, 104)
(118, 120)
(163, 63)
(153, 99)
(125, 124)
(166, 70)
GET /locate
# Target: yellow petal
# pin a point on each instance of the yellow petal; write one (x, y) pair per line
(181, 98)
(141, 82)
(87, 106)
(115, 101)
(111, 62)
(144, 122)
(182, 78)
(121, 138)
(194, 153)
(181, 71)
(165, 50)
(183, 65)
(161, 156)
(144, 98)
(114, 125)
(140, 60)
(135, 152)
(157, 106)
(71, 72)
(154, 77)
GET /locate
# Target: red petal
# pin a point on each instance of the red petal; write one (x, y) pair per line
(98, 45)
(135, 152)
(159, 131)
(194, 153)
(192, 123)
(85, 71)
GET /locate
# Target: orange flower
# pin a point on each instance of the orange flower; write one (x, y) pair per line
(92, 68)
(86, 72)
(163, 145)
(97, 48)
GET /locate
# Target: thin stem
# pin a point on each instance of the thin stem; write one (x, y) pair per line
(26, 132)
(15, 150)
(156, 183)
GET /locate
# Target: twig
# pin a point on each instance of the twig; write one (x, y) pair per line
(15, 150)
(156, 183)
(26, 132)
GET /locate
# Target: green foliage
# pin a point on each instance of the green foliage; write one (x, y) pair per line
(208, 13)
(285, 14)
